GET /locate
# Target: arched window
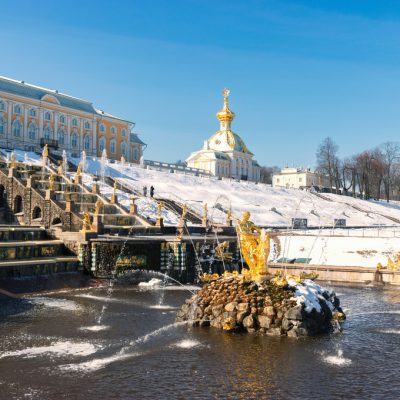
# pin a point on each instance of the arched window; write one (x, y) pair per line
(102, 128)
(123, 132)
(113, 130)
(112, 146)
(74, 139)
(2, 106)
(47, 116)
(62, 119)
(87, 125)
(16, 128)
(47, 133)
(32, 112)
(74, 122)
(17, 109)
(123, 149)
(32, 130)
(2, 125)
(61, 136)
(102, 144)
(87, 142)
(135, 154)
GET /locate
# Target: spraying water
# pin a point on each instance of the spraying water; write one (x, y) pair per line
(103, 165)
(65, 162)
(83, 161)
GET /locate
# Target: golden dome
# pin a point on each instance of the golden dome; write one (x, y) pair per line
(225, 114)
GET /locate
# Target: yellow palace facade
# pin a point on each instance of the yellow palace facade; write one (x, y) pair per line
(32, 116)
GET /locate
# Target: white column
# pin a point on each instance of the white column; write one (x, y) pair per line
(94, 144)
(81, 136)
(69, 148)
(55, 135)
(10, 110)
(40, 124)
(25, 129)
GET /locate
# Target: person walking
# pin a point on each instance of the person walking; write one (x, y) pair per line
(151, 191)
(145, 191)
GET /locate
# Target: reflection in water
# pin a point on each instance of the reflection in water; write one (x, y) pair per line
(139, 352)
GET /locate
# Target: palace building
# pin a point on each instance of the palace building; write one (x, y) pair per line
(32, 116)
(225, 154)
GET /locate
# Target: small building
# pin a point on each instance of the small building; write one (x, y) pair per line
(225, 154)
(32, 116)
(300, 178)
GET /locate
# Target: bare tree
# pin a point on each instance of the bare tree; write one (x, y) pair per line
(327, 160)
(266, 174)
(390, 151)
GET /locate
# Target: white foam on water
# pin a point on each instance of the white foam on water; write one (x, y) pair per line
(391, 331)
(61, 348)
(94, 328)
(162, 307)
(62, 304)
(153, 282)
(377, 312)
(187, 344)
(100, 298)
(97, 363)
(124, 353)
(337, 359)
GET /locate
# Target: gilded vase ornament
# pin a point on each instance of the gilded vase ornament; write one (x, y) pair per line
(255, 247)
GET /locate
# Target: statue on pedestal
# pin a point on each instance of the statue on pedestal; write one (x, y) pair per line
(98, 207)
(13, 163)
(51, 182)
(160, 206)
(86, 224)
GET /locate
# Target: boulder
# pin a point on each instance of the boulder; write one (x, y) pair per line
(295, 313)
(264, 321)
(231, 306)
(217, 310)
(248, 322)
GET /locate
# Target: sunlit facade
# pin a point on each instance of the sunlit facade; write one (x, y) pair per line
(32, 116)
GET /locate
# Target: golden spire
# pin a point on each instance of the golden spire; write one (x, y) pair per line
(225, 115)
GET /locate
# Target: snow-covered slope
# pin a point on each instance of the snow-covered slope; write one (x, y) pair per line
(268, 206)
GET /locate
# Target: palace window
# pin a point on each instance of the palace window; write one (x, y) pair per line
(123, 149)
(102, 128)
(2, 106)
(86, 142)
(102, 144)
(47, 116)
(87, 125)
(62, 119)
(32, 130)
(17, 109)
(2, 125)
(61, 136)
(112, 146)
(47, 133)
(74, 139)
(74, 122)
(135, 154)
(123, 132)
(16, 128)
(32, 112)
(112, 130)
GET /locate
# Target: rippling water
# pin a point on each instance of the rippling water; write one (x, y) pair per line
(52, 348)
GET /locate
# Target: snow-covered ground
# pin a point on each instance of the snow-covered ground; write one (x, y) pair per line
(28, 157)
(332, 250)
(267, 205)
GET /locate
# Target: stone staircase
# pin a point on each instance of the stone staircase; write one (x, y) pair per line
(29, 251)
(177, 209)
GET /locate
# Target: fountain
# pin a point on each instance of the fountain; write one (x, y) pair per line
(25, 158)
(254, 300)
(83, 161)
(65, 163)
(103, 165)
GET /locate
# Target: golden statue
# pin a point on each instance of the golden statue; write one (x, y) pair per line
(184, 211)
(229, 216)
(13, 163)
(160, 206)
(45, 152)
(86, 224)
(220, 252)
(78, 170)
(254, 245)
(51, 182)
(205, 213)
(60, 169)
(98, 207)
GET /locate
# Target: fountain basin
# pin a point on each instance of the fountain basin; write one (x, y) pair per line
(294, 310)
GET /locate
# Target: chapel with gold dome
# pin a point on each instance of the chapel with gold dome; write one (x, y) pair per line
(225, 154)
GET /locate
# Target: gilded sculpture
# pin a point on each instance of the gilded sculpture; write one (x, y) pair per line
(255, 247)
(86, 224)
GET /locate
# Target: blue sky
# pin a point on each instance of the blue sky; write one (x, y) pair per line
(298, 71)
